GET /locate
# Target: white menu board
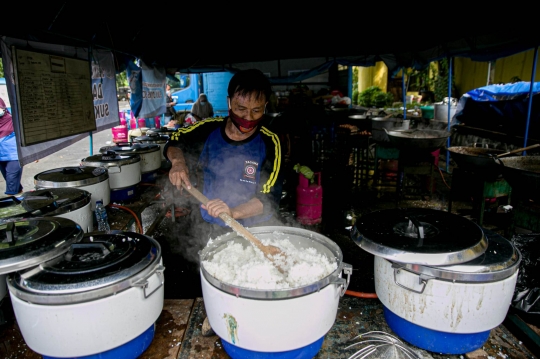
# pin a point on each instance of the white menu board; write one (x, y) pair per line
(54, 96)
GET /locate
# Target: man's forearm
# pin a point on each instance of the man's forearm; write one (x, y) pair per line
(176, 156)
(253, 207)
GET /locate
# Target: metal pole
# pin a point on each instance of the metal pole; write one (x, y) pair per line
(450, 62)
(533, 75)
(404, 93)
(91, 143)
(489, 73)
(349, 71)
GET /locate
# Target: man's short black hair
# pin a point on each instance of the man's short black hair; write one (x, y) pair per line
(250, 81)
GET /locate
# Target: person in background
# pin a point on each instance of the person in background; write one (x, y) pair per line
(9, 158)
(202, 108)
(170, 102)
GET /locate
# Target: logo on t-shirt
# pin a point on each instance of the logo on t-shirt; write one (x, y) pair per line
(250, 169)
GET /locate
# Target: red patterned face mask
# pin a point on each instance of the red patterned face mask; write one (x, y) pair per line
(242, 124)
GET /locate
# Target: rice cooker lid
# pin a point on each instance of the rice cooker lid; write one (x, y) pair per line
(419, 236)
(71, 177)
(161, 130)
(499, 261)
(111, 159)
(99, 265)
(20, 207)
(136, 148)
(153, 137)
(67, 199)
(28, 242)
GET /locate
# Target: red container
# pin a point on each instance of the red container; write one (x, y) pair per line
(141, 122)
(120, 133)
(157, 121)
(309, 200)
(132, 124)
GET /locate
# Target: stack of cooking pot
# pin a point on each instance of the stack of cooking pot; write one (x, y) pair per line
(380, 126)
(156, 139)
(259, 323)
(150, 157)
(70, 203)
(92, 179)
(444, 282)
(80, 295)
(124, 173)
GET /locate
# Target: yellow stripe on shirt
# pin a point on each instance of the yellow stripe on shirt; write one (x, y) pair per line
(176, 135)
(277, 160)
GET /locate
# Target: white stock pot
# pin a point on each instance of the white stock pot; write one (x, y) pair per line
(274, 321)
(92, 179)
(124, 173)
(149, 153)
(100, 295)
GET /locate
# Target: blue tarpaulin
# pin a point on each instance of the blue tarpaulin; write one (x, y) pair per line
(503, 92)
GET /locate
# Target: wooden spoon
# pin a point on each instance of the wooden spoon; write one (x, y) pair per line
(518, 150)
(268, 251)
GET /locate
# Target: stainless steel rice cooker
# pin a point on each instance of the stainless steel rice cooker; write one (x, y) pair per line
(96, 295)
(149, 153)
(124, 173)
(289, 321)
(92, 179)
(444, 281)
(15, 207)
(156, 139)
(72, 203)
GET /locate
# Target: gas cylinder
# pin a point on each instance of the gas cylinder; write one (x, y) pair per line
(309, 200)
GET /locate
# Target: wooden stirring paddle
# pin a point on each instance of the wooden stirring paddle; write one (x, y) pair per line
(268, 251)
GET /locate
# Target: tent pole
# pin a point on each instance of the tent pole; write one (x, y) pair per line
(533, 75)
(90, 138)
(404, 93)
(450, 62)
(350, 84)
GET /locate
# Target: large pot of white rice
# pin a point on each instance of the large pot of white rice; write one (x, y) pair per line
(258, 310)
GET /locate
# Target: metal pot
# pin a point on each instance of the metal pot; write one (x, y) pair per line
(429, 140)
(92, 179)
(477, 160)
(154, 138)
(124, 172)
(72, 203)
(105, 288)
(523, 174)
(439, 274)
(441, 109)
(13, 207)
(379, 125)
(282, 320)
(150, 157)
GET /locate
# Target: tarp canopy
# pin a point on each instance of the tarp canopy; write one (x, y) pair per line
(196, 37)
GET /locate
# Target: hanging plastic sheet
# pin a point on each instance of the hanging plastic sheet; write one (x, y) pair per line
(527, 293)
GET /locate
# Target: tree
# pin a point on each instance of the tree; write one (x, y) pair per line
(121, 79)
(1, 68)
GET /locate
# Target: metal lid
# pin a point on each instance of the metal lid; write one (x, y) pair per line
(161, 130)
(28, 242)
(67, 199)
(110, 159)
(71, 177)
(152, 137)
(499, 261)
(13, 207)
(99, 265)
(127, 148)
(419, 236)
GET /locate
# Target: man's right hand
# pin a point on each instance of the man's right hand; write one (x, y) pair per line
(179, 174)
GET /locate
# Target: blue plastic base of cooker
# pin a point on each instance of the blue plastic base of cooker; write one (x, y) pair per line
(131, 350)
(433, 340)
(149, 177)
(123, 194)
(307, 352)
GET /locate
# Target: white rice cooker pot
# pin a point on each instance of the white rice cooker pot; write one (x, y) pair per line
(92, 179)
(99, 295)
(72, 203)
(124, 170)
(432, 269)
(280, 320)
(149, 153)
(154, 138)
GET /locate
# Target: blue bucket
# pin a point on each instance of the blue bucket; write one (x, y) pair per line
(307, 352)
(433, 340)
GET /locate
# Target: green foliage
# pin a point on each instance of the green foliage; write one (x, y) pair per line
(306, 171)
(355, 95)
(440, 84)
(1, 68)
(374, 96)
(121, 79)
